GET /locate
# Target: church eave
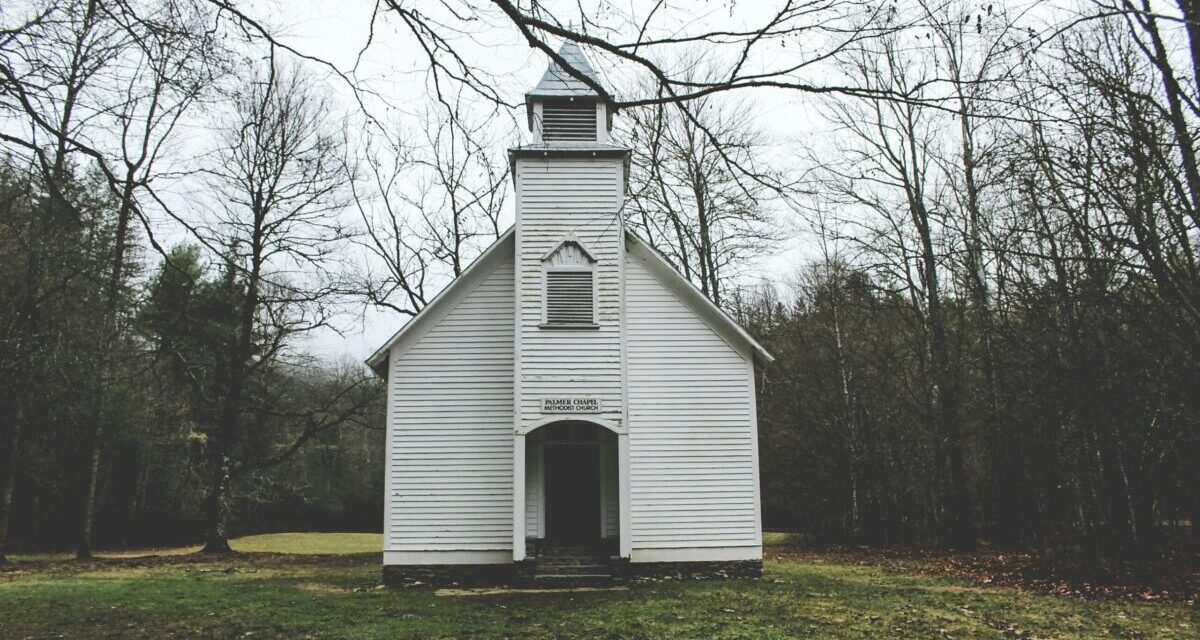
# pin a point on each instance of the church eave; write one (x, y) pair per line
(568, 150)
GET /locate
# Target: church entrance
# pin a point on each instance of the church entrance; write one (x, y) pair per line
(572, 499)
(572, 492)
(572, 485)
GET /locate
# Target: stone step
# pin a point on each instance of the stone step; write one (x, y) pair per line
(552, 567)
(559, 552)
(571, 571)
(569, 565)
(581, 580)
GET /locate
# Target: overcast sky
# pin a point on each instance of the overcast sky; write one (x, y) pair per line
(394, 69)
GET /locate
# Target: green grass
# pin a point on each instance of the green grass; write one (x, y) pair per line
(334, 596)
(310, 543)
(780, 539)
(298, 543)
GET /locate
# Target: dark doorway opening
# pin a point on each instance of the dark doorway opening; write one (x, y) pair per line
(572, 475)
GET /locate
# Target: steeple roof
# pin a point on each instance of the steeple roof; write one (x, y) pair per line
(559, 83)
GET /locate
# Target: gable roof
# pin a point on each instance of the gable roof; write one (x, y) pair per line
(448, 298)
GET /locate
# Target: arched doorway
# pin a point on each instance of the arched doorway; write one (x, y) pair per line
(571, 485)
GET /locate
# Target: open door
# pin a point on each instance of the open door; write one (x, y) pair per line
(572, 477)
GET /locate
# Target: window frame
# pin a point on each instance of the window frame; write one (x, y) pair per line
(588, 267)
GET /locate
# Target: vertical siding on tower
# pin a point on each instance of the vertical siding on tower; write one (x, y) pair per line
(692, 462)
(450, 434)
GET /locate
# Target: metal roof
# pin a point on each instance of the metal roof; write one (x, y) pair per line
(557, 82)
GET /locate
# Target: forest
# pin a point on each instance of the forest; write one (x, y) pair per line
(967, 232)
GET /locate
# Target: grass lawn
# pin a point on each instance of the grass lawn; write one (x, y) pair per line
(279, 589)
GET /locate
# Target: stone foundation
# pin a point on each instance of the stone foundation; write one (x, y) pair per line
(690, 570)
(519, 574)
(440, 575)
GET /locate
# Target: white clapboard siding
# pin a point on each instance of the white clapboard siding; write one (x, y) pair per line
(691, 440)
(534, 495)
(611, 492)
(573, 200)
(450, 436)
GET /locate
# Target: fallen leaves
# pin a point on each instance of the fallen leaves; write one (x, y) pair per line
(1057, 574)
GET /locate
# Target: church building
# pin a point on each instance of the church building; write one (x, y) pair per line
(570, 406)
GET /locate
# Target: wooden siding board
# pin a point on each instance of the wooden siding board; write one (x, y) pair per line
(692, 476)
(569, 200)
(533, 488)
(611, 493)
(450, 428)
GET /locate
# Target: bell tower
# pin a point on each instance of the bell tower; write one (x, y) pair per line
(562, 109)
(569, 270)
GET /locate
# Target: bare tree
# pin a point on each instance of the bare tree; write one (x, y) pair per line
(281, 181)
(976, 51)
(890, 174)
(429, 203)
(49, 68)
(1108, 206)
(170, 61)
(688, 199)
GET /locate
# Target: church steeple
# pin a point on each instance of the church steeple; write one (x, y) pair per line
(563, 110)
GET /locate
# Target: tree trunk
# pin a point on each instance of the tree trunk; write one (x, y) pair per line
(84, 551)
(1191, 14)
(216, 537)
(239, 352)
(1008, 512)
(848, 412)
(9, 479)
(1145, 520)
(112, 292)
(959, 530)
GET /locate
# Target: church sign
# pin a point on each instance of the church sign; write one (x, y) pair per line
(571, 405)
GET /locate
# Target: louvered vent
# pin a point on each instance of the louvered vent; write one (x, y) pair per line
(569, 297)
(573, 121)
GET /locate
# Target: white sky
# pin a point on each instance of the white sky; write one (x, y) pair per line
(393, 73)
(394, 68)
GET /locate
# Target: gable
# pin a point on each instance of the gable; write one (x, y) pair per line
(569, 253)
(704, 309)
(484, 267)
(503, 250)
(692, 431)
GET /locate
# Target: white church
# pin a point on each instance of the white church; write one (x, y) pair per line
(570, 406)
